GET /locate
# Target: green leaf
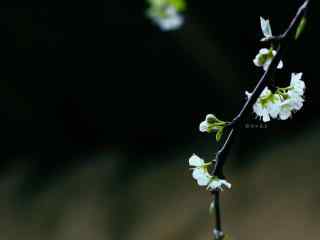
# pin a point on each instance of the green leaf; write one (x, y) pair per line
(219, 134)
(300, 28)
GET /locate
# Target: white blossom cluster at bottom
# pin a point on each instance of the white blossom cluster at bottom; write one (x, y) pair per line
(201, 175)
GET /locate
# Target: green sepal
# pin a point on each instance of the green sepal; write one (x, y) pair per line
(262, 59)
(219, 134)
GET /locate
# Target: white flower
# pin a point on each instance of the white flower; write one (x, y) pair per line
(200, 172)
(195, 161)
(296, 92)
(264, 58)
(201, 175)
(294, 102)
(297, 84)
(286, 108)
(203, 127)
(274, 106)
(260, 108)
(217, 183)
(290, 105)
(293, 98)
(260, 58)
(281, 104)
(207, 124)
(169, 20)
(297, 103)
(268, 105)
(266, 28)
(261, 112)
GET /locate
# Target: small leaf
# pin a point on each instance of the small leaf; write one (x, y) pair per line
(219, 134)
(300, 28)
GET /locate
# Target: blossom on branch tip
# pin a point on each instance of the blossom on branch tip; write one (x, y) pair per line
(202, 176)
(208, 124)
(200, 170)
(264, 58)
(213, 124)
(195, 161)
(266, 29)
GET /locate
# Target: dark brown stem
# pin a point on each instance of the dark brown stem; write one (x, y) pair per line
(217, 231)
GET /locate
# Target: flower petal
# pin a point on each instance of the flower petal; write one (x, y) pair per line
(203, 181)
(280, 65)
(265, 27)
(195, 161)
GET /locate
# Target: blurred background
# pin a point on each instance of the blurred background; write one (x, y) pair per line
(100, 116)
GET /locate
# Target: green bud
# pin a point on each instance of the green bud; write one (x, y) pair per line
(300, 28)
(211, 119)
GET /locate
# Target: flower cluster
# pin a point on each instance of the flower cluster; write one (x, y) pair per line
(199, 166)
(281, 103)
(167, 13)
(202, 176)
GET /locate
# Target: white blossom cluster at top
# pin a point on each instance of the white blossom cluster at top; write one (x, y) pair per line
(284, 101)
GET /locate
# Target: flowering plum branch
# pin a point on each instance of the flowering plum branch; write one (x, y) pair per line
(267, 104)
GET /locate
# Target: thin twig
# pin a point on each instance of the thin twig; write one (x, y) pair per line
(285, 41)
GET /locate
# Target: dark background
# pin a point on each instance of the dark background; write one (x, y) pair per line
(80, 81)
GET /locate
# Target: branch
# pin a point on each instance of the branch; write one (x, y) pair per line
(284, 41)
(217, 231)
